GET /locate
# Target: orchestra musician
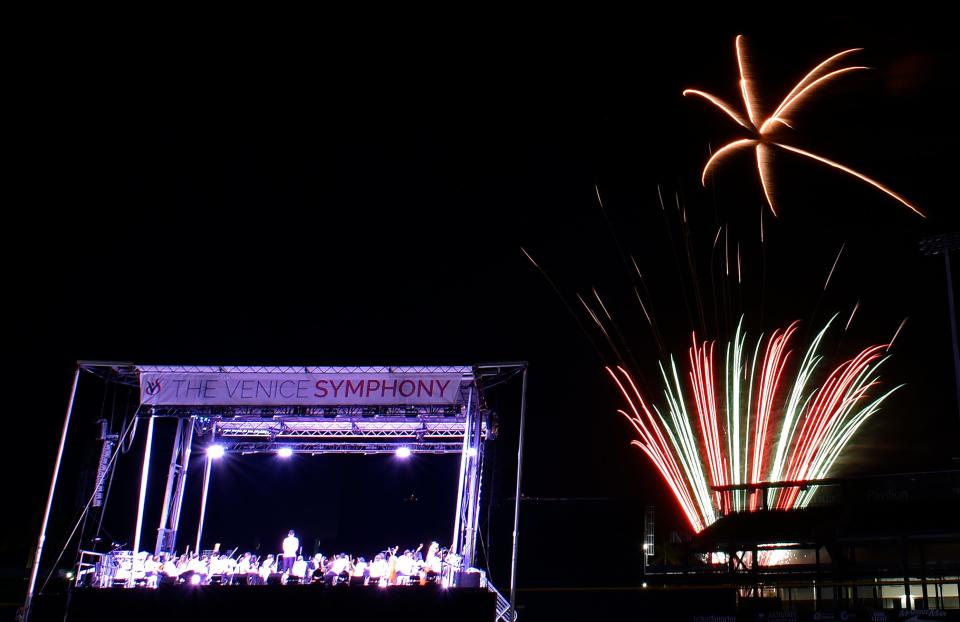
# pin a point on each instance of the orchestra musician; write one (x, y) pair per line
(433, 564)
(404, 568)
(229, 566)
(244, 568)
(361, 568)
(299, 570)
(267, 568)
(170, 568)
(315, 567)
(378, 569)
(151, 568)
(386, 568)
(341, 564)
(417, 570)
(392, 565)
(290, 545)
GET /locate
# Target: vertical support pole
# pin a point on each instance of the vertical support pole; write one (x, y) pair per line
(185, 447)
(168, 491)
(953, 326)
(53, 484)
(203, 498)
(144, 477)
(816, 589)
(906, 572)
(141, 500)
(474, 456)
(516, 506)
(923, 576)
(455, 542)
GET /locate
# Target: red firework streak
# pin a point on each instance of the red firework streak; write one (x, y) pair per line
(809, 425)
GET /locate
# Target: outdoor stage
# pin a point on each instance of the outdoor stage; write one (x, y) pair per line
(226, 413)
(270, 602)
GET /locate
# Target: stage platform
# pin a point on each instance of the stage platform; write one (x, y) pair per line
(184, 603)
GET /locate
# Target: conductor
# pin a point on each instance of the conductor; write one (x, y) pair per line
(290, 546)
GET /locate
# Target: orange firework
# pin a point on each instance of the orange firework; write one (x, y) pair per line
(762, 128)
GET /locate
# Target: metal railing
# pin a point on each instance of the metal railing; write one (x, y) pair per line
(503, 606)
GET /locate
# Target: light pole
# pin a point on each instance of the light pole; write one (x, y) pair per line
(942, 245)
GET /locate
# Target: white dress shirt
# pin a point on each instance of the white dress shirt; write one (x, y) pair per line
(290, 546)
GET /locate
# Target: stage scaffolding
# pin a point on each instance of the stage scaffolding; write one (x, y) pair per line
(461, 426)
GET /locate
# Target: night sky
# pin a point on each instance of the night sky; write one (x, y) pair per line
(358, 193)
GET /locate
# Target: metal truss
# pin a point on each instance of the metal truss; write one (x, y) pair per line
(341, 447)
(229, 412)
(346, 427)
(466, 370)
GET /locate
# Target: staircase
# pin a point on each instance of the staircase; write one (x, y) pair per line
(503, 606)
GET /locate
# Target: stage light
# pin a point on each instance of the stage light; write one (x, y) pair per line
(472, 451)
(284, 452)
(403, 452)
(195, 580)
(215, 451)
(644, 584)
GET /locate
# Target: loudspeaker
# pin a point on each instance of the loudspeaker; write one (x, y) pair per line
(275, 578)
(466, 579)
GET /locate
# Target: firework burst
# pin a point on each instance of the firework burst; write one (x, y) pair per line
(764, 128)
(757, 418)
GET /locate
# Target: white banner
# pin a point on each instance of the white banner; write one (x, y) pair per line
(283, 389)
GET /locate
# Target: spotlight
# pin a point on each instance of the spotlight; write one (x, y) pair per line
(472, 451)
(215, 451)
(284, 452)
(195, 580)
(403, 452)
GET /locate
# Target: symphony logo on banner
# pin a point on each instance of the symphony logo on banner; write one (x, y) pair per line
(282, 389)
(152, 388)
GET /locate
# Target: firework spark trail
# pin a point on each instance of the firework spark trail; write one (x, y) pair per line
(685, 442)
(691, 262)
(603, 329)
(701, 379)
(845, 387)
(676, 257)
(852, 313)
(556, 290)
(774, 362)
(834, 267)
(654, 445)
(777, 425)
(896, 334)
(616, 329)
(651, 318)
(833, 448)
(762, 129)
(809, 77)
(796, 403)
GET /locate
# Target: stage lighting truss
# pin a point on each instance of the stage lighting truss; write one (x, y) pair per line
(379, 427)
(336, 430)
